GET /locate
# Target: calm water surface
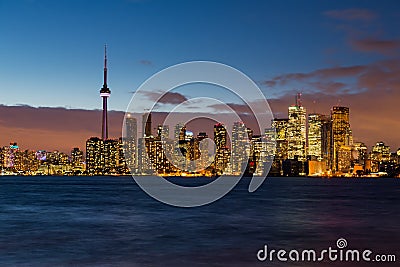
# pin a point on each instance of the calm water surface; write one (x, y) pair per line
(109, 221)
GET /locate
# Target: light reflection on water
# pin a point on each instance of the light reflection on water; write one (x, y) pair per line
(109, 221)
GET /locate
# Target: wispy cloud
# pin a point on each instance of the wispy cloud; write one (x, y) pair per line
(165, 98)
(352, 14)
(319, 78)
(145, 62)
(376, 45)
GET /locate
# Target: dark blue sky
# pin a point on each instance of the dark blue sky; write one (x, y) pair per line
(51, 51)
(334, 52)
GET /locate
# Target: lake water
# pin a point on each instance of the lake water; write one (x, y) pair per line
(110, 221)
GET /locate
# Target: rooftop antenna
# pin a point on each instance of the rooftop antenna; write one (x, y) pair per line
(105, 65)
(298, 99)
(314, 102)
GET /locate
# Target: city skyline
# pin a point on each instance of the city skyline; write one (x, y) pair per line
(303, 144)
(327, 150)
(354, 63)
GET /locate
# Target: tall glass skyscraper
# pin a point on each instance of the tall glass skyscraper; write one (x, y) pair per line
(341, 132)
(222, 151)
(315, 135)
(296, 131)
(240, 143)
(130, 141)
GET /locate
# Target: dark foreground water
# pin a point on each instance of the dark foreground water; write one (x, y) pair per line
(109, 221)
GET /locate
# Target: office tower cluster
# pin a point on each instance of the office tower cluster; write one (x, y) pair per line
(187, 154)
(322, 145)
(183, 154)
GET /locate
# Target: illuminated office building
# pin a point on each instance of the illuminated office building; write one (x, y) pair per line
(76, 157)
(327, 142)
(30, 162)
(359, 153)
(122, 166)
(222, 154)
(281, 128)
(144, 165)
(159, 159)
(178, 147)
(220, 136)
(259, 155)
(130, 141)
(344, 158)
(111, 156)
(240, 142)
(316, 135)
(341, 133)
(270, 140)
(204, 160)
(10, 155)
(146, 146)
(158, 148)
(94, 155)
(379, 154)
(296, 131)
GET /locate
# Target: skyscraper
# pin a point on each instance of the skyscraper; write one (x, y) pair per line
(281, 128)
(110, 156)
(76, 157)
(94, 155)
(297, 131)
(315, 135)
(379, 154)
(130, 141)
(203, 148)
(105, 94)
(240, 142)
(340, 132)
(259, 155)
(327, 142)
(146, 124)
(222, 154)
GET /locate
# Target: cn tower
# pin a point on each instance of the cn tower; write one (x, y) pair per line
(105, 94)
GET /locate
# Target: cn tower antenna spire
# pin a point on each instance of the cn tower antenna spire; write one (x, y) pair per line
(105, 65)
(105, 94)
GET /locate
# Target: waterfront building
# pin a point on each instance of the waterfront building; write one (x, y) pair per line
(94, 156)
